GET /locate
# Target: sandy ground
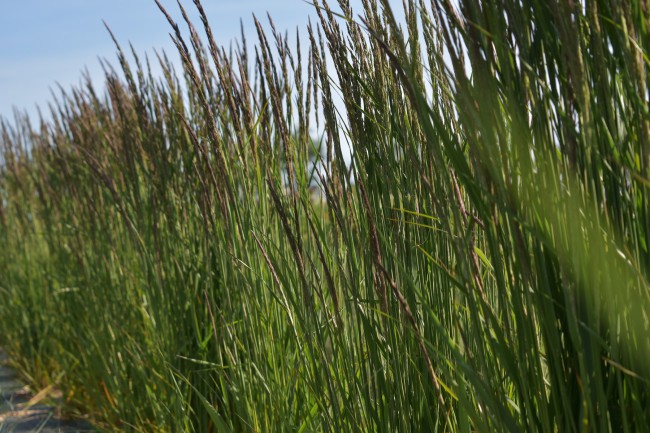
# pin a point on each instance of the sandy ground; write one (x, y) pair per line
(22, 412)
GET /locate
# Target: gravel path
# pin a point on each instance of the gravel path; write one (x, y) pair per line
(21, 412)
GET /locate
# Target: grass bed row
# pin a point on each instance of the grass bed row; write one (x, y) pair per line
(195, 252)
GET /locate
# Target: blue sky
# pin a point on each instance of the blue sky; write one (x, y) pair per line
(45, 42)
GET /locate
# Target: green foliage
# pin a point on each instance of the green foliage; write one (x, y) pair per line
(479, 265)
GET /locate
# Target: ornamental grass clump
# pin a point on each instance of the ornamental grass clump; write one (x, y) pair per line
(474, 258)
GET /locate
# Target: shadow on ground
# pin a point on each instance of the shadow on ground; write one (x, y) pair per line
(18, 416)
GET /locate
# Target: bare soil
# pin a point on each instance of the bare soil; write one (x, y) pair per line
(23, 411)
